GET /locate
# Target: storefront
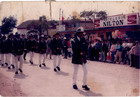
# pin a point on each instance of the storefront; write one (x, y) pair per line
(121, 26)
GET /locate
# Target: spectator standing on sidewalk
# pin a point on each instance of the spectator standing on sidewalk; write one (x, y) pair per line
(135, 53)
(104, 50)
(113, 51)
(119, 52)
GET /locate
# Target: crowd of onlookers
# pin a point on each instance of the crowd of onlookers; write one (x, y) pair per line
(113, 51)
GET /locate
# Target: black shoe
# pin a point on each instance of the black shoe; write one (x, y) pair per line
(13, 66)
(20, 70)
(6, 64)
(31, 62)
(2, 64)
(75, 87)
(44, 64)
(86, 87)
(40, 65)
(16, 72)
(58, 68)
(55, 70)
(9, 68)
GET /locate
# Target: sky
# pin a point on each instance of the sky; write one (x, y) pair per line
(70, 0)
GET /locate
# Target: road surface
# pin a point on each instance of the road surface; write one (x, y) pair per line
(104, 79)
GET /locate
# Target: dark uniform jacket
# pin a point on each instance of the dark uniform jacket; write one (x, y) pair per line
(32, 45)
(42, 47)
(79, 47)
(10, 45)
(3, 46)
(0, 44)
(56, 46)
(25, 43)
(18, 47)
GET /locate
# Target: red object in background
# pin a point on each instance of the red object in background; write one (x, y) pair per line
(97, 23)
(68, 43)
(109, 55)
(63, 18)
(132, 19)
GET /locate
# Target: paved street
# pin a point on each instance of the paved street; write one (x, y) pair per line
(104, 79)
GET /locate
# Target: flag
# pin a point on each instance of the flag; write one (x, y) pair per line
(62, 16)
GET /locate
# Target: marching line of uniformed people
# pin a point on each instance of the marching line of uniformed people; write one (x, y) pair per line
(14, 48)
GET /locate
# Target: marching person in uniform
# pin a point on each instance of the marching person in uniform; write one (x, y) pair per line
(25, 46)
(65, 48)
(49, 51)
(0, 47)
(42, 51)
(18, 52)
(10, 44)
(31, 48)
(3, 51)
(56, 47)
(79, 48)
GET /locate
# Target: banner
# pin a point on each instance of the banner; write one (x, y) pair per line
(118, 20)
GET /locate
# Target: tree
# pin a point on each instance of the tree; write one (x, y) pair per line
(43, 24)
(91, 14)
(8, 24)
(40, 25)
(72, 22)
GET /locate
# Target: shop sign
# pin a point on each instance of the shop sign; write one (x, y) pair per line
(60, 28)
(118, 20)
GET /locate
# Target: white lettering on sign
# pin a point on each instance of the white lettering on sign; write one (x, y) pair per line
(118, 20)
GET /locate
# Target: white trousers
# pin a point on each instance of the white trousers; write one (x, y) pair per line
(20, 58)
(55, 59)
(76, 66)
(4, 58)
(13, 60)
(8, 59)
(40, 58)
(0, 59)
(31, 56)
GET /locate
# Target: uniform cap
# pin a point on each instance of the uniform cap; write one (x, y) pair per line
(80, 30)
(57, 34)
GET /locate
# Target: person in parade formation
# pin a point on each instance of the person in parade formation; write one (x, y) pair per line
(79, 48)
(18, 52)
(0, 47)
(31, 47)
(49, 51)
(11, 58)
(42, 50)
(25, 45)
(3, 51)
(65, 48)
(56, 47)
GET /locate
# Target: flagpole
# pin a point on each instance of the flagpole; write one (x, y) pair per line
(62, 17)
(59, 16)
